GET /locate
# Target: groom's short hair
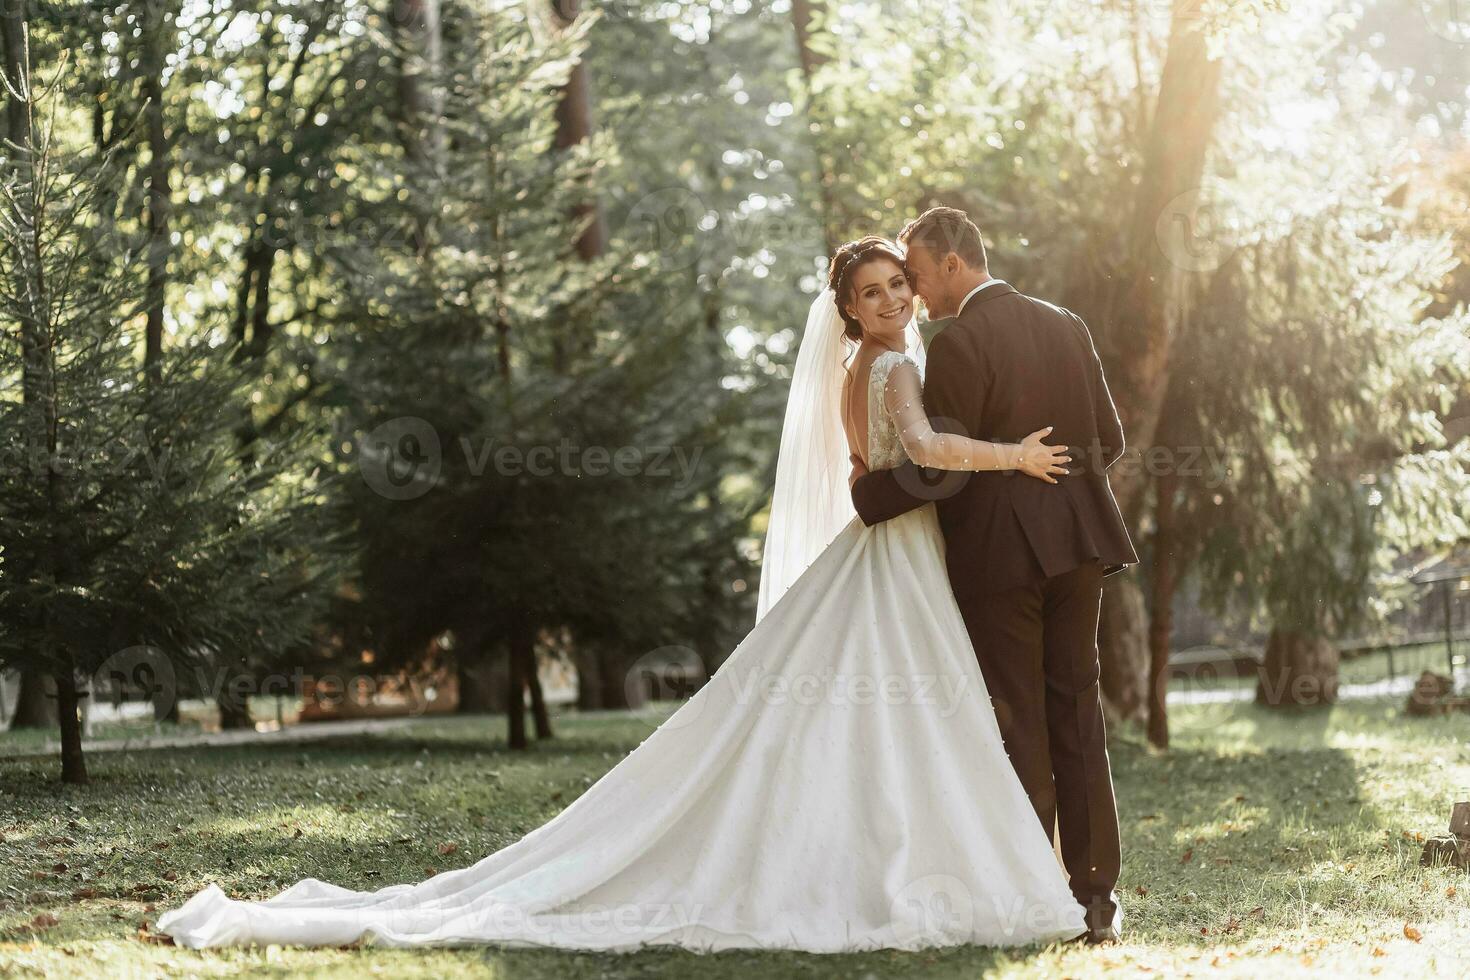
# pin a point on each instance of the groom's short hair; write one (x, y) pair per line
(942, 230)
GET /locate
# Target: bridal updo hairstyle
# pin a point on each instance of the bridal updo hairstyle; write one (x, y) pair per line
(846, 261)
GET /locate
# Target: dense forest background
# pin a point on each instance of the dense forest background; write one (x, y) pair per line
(455, 333)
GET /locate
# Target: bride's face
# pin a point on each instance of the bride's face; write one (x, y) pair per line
(882, 299)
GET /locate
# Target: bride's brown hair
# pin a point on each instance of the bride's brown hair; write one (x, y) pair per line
(846, 261)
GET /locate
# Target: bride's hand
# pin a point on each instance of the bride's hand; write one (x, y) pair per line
(1040, 460)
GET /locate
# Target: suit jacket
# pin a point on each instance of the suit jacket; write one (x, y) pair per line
(1005, 367)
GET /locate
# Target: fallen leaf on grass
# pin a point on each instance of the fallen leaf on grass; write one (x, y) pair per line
(44, 921)
(1258, 912)
(1141, 890)
(1411, 933)
(82, 894)
(1379, 951)
(1187, 857)
(448, 848)
(1449, 892)
(145, 935)
(1232, 924)
(430, 872)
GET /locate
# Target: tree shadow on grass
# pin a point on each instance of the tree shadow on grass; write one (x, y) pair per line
(1232, 838)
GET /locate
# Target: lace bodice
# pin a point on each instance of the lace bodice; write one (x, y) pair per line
(899, 428)
(885, 447)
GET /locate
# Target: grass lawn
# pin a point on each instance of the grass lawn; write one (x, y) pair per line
(1259, 845)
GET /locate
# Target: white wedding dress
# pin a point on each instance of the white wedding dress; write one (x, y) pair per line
(839, 784)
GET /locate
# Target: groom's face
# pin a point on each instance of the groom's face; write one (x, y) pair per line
(929, 281)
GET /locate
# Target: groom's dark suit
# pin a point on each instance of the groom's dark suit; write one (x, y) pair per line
(1026, 558)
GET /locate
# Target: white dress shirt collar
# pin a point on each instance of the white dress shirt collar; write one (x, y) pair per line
(984, 285)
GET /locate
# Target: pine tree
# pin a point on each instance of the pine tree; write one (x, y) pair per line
(134, 544)
(513, 398)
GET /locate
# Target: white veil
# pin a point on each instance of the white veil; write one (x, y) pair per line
(812, 504)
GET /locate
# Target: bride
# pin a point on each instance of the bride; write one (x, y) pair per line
(839, 784)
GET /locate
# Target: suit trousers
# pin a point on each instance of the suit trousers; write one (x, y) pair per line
(1037, 647)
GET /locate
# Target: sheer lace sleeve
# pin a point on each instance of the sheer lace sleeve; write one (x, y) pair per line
(903, 396)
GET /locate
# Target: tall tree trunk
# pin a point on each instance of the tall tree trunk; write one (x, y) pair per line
(476, 693)
(35, 706)
(1161, 623)
(803, 19)
(589, 678)
(522, 648)
(420, 32)
(573, 126)
(1122, 640)
(68, 711)
(617, 691)
(472, 660)
(538, 696)
(166, 710)
(14, 36)
(234, 710)
(1146, 318)
(1300, 669)
(1140, 324)
(159, 205)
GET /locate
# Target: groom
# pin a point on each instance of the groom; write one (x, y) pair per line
(1026, 558)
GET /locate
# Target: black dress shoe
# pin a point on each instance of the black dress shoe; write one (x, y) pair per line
(1103, 927)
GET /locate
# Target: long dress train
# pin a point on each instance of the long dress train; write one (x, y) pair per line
(839, 784)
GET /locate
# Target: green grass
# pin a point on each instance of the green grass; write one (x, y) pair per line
(1261, 844)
